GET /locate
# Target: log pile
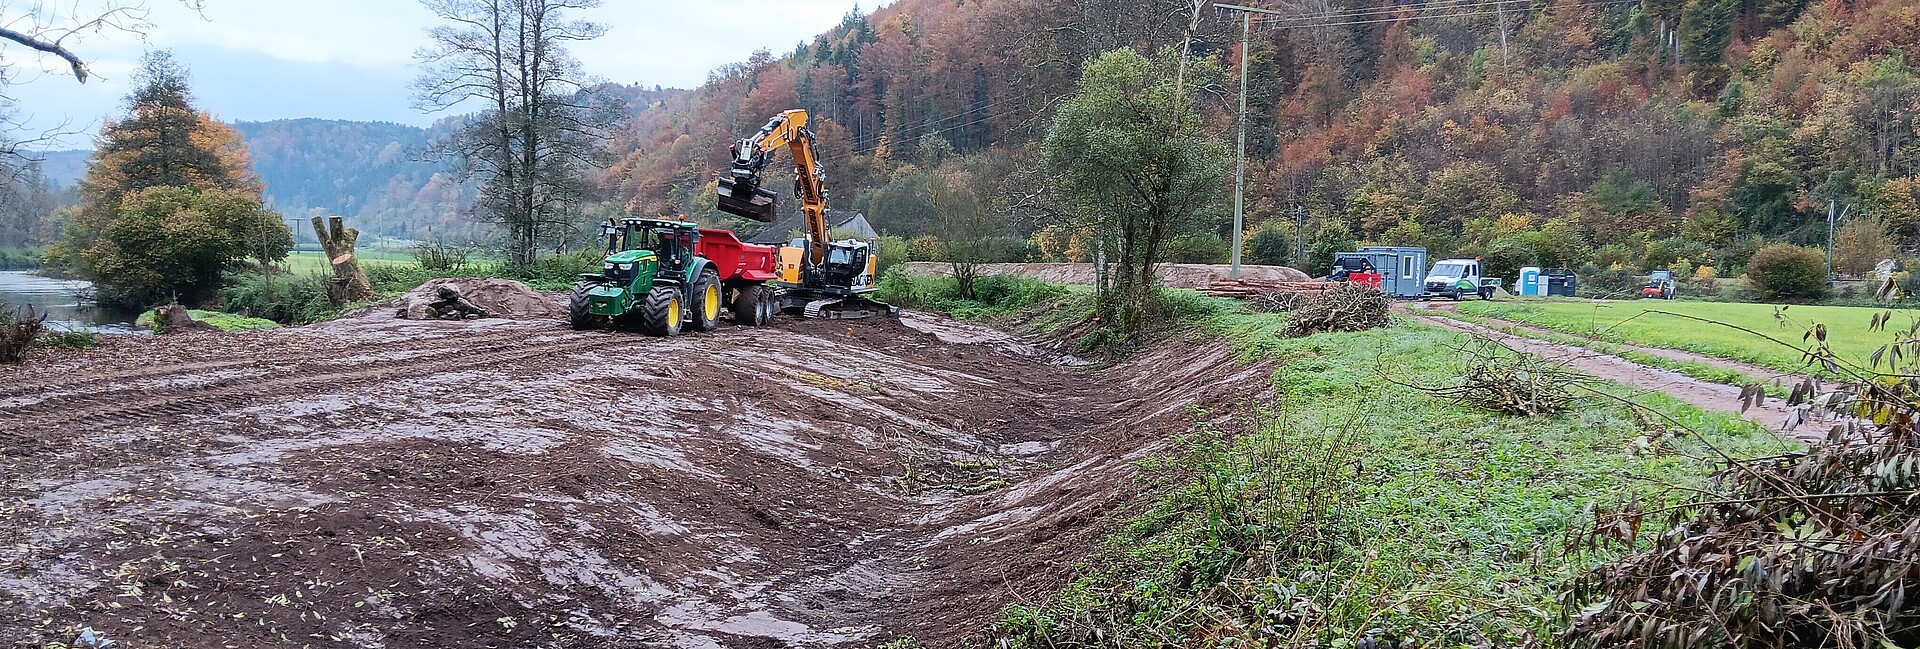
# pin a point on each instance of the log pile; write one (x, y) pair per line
(1249, 288)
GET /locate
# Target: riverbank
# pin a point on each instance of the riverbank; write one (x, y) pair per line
(66, 303)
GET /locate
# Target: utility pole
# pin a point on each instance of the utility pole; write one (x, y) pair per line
(1835, 214)
(1240, 177)
(1240, 180)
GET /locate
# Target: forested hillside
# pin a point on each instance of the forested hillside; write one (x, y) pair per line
(1636, 134)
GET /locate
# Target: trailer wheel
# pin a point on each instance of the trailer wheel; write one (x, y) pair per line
(749, 307)
(661, 316)
(769, 305)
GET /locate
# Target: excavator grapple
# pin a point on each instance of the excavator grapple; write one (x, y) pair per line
(747, 200)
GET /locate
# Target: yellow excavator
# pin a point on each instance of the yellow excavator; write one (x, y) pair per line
(818, 277)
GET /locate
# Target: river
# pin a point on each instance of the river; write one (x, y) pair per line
(63, 302)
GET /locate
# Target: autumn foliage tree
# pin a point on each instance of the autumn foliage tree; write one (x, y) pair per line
(169, 200)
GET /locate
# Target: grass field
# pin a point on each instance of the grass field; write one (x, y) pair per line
(1673, 325)
(302, 262)
(1356, 506)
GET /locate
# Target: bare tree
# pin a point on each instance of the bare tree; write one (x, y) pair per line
(539, 124)
(46, 30)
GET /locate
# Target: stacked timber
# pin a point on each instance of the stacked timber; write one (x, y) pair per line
(1250, 288)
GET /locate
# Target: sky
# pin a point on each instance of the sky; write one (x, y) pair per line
(256, 60)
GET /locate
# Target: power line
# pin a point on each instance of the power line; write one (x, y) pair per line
(1427, 5)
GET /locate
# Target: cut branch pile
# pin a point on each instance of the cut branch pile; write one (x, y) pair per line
(1818, 548)
(17, 333)
(1505, 381)
(1813, 549)
(1344, 307)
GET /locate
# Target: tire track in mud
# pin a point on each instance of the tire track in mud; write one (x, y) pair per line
(145, 404)
(41, 386)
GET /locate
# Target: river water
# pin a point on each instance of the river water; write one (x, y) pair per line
(64, 303)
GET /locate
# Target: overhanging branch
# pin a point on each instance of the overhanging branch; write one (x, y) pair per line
(50, 47)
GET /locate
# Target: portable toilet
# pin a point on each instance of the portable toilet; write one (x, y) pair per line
(1403, 271)
(1532, 283)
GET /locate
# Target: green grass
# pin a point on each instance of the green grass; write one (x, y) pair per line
(1688, 368)
(305, 262)
(1639, 322)
(220, 320)
(1356, 504)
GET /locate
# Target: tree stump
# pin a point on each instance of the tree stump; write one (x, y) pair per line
(174, 319)
(349, 283)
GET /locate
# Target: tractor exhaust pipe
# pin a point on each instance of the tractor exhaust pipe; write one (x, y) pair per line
(748, 200)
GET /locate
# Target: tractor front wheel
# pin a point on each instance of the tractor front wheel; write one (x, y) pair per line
(580, 309)
(705, 300)
(661, 316)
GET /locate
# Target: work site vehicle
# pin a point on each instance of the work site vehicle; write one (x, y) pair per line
(1660, 286)
(662, 276)
(1456, 279)
(819, 277)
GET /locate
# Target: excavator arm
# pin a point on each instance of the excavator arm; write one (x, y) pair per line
(742, 195)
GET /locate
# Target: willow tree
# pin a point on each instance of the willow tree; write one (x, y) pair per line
(538, 128)
(1129, 154)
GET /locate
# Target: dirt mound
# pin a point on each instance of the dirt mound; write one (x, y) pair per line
(502, 298)
(1171, 275)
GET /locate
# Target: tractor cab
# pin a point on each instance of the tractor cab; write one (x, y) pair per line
(670, 245)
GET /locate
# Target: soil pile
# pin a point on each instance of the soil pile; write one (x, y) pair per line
(502, 298)
(1171, 275)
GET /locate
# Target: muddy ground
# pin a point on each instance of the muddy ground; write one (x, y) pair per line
(373, 482)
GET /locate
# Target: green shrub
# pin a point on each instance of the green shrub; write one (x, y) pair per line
(890, 251)
(69, 340)
(1206, 248)
(1788, 272)
(286, 299)
(555, 273)
(440, 256)
(1606, 282)
(1269, 246)
(898, 288)
(19, 258)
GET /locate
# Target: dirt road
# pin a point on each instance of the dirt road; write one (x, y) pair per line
(381, 483)
(1706, 395)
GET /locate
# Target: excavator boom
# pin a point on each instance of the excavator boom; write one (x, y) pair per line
(740, 191)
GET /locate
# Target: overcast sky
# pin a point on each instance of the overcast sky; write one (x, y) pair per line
(259, 60)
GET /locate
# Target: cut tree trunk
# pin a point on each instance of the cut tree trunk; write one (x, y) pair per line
(349, 283)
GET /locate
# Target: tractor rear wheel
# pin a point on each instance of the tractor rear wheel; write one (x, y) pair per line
(661, 315)
(580, 310)
(705, 302)
(749, 306)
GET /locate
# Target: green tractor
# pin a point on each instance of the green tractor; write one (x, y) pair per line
(654, 280)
